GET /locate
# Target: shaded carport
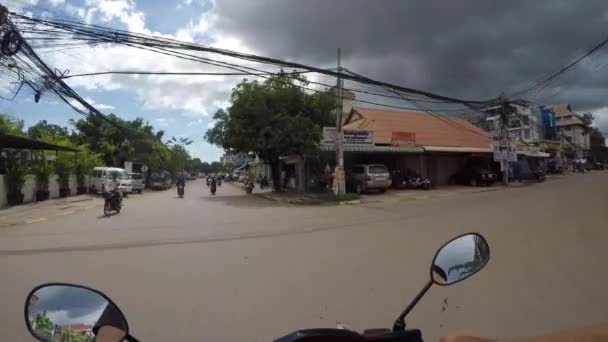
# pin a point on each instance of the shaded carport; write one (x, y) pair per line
(395, 158)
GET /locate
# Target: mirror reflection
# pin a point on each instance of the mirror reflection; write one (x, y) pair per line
(58, 313)
(460, 259)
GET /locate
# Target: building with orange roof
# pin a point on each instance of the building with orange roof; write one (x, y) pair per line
(432, 145)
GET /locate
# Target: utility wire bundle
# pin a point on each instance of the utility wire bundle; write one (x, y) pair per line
(69, 33)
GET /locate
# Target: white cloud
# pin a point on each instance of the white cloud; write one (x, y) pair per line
(601, 119)
(194, 123)
(164, 122)
(18, 5)
(56, 2)
(99, 106)
(210, 124)
(197, 96)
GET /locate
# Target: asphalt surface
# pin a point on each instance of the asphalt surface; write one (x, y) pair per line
(240, 268)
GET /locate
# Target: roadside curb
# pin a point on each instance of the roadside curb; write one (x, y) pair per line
(307, 200)
(351, 202)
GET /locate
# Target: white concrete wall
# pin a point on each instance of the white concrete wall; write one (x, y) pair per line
(29, 188)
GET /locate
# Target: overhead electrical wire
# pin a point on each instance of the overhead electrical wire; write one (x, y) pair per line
(547, 79)
(125, 37)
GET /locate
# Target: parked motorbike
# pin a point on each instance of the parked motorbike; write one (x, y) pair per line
(180, 190)
(219, 181)
(112, 202)
(410, 180)
(264, 183)
(208, 181)
(213, 187)
(249, 187)
(540, 175)
(455, 261)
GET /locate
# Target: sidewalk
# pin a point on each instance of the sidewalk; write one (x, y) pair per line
(43, 211)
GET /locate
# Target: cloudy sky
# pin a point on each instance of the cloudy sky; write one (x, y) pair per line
(472, 49)
(68, 305)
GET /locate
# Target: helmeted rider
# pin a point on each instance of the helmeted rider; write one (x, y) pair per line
(116, 194)
(181, 180)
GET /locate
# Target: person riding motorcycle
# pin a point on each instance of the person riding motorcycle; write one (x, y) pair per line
(116, 194)
(181, 180)
(213, 185)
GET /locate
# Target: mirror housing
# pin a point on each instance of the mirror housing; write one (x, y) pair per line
(459, 259)
(58, 311)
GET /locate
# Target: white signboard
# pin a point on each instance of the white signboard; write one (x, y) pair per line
(349, 137)
(503, 155)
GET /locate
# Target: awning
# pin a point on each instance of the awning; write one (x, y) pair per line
(535, 154)
(374, 149)
(22, 143)
(455, 149)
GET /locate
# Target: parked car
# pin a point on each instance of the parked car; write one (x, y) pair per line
(101, 178)
(161, 180)
(137, 182)
(474, 174)
(361, 178)
(409, 179)
(599, 166)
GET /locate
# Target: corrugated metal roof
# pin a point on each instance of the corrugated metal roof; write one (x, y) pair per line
(374, 149)
(23, 143)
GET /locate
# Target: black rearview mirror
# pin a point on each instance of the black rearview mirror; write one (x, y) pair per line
(459, 259)
(64, 312)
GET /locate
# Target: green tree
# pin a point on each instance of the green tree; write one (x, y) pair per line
(42, 169)
(43, 325)
(273, 118)
(43, 129)
(16, 171)
(10, 125)
(597, 146)
(69, 335)
(587, 122)
(64, 167)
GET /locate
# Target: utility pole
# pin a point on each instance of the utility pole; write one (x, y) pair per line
(339, 182)
(505, 138)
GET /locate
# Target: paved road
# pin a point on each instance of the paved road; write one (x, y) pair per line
(233, 267)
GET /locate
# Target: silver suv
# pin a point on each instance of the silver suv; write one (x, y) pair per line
(368, 176)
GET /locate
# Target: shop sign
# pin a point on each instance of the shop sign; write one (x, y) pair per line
(500, 156)
(403, 139)
(349, 137)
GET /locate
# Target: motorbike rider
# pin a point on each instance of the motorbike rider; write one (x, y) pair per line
(181, 180)
(213, 185)
(116, 194)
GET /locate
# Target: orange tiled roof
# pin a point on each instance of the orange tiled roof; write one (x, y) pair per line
(78, 327)
(430, 130)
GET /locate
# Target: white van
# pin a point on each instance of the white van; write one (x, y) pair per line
(101, 177)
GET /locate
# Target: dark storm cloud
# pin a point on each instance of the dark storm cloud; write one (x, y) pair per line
(75, 302)
(473, 49)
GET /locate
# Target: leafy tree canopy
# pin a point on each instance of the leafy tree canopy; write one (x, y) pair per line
(272, 118)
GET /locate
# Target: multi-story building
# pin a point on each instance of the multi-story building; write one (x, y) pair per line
(523, 126)
(571, 129)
